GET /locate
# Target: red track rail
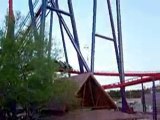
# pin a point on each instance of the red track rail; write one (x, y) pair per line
(133, 82)
(11, 8)
(127, 74)
(145, 77)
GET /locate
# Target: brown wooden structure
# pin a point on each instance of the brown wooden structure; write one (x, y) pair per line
(90, 92)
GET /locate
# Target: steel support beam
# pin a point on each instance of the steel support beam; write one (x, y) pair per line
(154, 101)
(71, 38)
(121, 63)
(74, 44)
(33, 19)
(143, 99)
(43, 15)
(118, 48)
(11, 14)
(57, 10)
(104, 37)
(11, 22)
(75, 34)
(63, 39)
(93, 34)
(50, 35)
(113, 33)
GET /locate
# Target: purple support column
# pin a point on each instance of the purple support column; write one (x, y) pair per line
(63, 40)
(43, 18)
(50, 35)
(154, 101)
(121, 62)
(93, 34)
(143, 99)
(31, 10)
(74, 39)
(75, 34)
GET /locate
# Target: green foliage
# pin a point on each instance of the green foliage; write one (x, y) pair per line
(25, 76)
(129, 94)
(64, 93)
(28, 73)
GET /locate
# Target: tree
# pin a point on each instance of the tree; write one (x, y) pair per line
(64, 93)
(26, 78)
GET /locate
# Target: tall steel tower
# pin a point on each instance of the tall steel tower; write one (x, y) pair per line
(116, 39)
(48, 7)
(53, 7)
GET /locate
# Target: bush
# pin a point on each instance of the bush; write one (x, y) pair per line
(27, 73)
(64, 93)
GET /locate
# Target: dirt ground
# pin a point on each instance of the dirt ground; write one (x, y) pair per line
(99, 115)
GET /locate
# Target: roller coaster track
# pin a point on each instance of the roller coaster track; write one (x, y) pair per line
(127, 74)
(28, 23)
(141, 77)
(132, 82)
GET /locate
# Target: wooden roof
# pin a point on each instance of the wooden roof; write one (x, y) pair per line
(91, 93)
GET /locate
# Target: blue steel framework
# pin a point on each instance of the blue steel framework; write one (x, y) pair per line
(154, 101)
(117, 40)
(53, 7)
(143, 99)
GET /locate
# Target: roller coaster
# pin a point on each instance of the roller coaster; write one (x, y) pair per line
(35, 21)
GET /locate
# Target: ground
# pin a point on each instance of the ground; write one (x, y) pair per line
(99, 115)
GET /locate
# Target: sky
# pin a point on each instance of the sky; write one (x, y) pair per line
(140, 31)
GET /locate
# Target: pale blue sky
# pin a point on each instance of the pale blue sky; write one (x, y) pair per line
(140, 26)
